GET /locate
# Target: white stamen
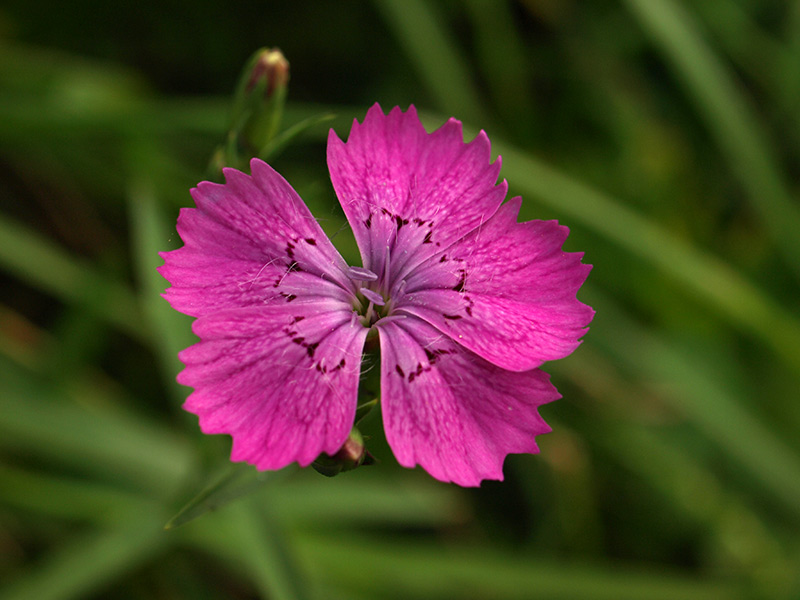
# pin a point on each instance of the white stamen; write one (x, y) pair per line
(373, 296)
(361, 274)
(389, 319)
(386, 267)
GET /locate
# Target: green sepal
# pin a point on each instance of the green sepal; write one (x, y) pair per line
(351, 455)
(256, 112)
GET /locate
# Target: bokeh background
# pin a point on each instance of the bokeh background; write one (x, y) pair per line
(664, 133)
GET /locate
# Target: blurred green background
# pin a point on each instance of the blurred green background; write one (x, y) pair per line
(664, 133)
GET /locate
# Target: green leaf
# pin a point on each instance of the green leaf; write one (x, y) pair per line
(42, 421)
(501, 54)
(251, 538)
(41, 263)
(69, 498)
(277, 144)
(171, 331)
(707, 400)
(436, 56)
(269, 552)
(380, 568)
(232, 483)
(365, 499)
(727, 114)
(86, 563)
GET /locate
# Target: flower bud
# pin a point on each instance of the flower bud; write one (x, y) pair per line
(351, 455)
(257, 110)
(269, 72)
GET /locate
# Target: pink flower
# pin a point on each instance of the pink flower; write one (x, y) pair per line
(467, 304)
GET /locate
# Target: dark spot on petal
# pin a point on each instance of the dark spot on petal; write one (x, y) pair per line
(299, 340)
(427, 239)
(368, 222)
(341, 365)
(311, 348)
(298, 319)
(311, 241)
(418, 221)
(417, 372)
(290, 249)
(321, 368)
(399, 370)
(289, 297)
(399, 221)
(453, 317)
(443, 259)
(459, 287)
(386, 211)
(431, 356)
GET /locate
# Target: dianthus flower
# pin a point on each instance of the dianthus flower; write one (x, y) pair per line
(467, 304)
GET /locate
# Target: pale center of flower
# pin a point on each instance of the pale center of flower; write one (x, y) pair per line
(372, 302)
(372, 296)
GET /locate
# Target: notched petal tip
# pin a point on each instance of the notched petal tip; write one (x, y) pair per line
(256, 165)
(334, 142)
(283, 387)
(453, 413)
(507, 292)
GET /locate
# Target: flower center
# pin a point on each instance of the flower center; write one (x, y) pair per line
(372, 302)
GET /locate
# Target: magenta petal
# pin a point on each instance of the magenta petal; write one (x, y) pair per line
(408, 193)
(452, 412)
(250, 242)
(282, 381)
(506, 291)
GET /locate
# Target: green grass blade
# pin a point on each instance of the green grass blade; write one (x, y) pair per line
(363, 499)
(236, 481)
(714, 407)
(759, 54)
(268, 555)
(41, 421)
(278, 144)
(88, 563)
(384, 567)
(42, 264)
(171, 331)
(65, 498)
(502, 58)
(789, 73)
(728, 116)
(436, 55)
